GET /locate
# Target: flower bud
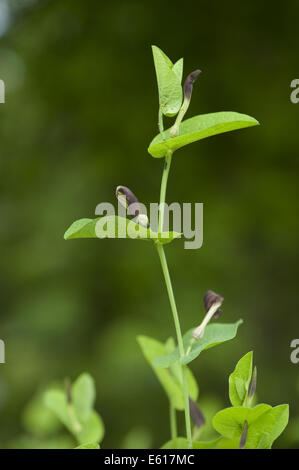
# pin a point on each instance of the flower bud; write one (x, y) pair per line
(196, 414)
(211, 298)
(188, 85)
(126, 197)
(252, 386)
(243, 438)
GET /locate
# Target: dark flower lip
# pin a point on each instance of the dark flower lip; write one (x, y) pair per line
(196, 413)
(188, 85)
(211, 298)
(130, 199)
(252, 385)
(243, 435)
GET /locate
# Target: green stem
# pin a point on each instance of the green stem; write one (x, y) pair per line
(172, 418)
(166, 169)
(160, 123)
(179, 339)
(167, 163)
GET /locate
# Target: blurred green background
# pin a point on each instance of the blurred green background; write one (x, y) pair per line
(81, 108)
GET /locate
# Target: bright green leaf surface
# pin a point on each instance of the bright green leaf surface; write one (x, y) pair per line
(83, 396)
(91, 445)
(169, 78)
(220, 443)
(214, 334)
(56, 401)
(265, 424)
(116, 227)
(92, 429)
(177, 443)
(239, 380)
(170, 379)
(197, 128)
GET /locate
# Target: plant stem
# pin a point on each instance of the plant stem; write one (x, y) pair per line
(160, 123)
(179, 339)
(167, 163)
(172, 418)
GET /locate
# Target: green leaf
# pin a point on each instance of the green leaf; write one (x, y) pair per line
(112, 226)
(83, 396)
(265, 424)
(177, 443)
(79, 417)
(91, 445)
(56, 401)
(214, 334)
(170, 379)
(38, 420)
(219, 443)
(239, 380)
(169, 79)
(92, 429)
(197, 128)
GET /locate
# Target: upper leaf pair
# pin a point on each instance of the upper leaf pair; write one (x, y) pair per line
(169, 78)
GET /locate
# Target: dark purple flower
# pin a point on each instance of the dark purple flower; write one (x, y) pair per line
(211, 298)
(188, 85)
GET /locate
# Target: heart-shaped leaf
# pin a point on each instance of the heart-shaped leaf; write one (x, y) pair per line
(214, 334)
(239, 380)
(169, 79)
(112, 226)
(265, 424)
(197, 128)
(170, 379)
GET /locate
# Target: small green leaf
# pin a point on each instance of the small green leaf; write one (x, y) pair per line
(265, 424)
(92, 429)
(197, 128)
(38, 420)
(79, 417)
(239, 380)
(214, 334)
(170, 379)
(112, 226)
(91, 445)
(177, 443)
(56, 401)
(169, 79)
(83, 396)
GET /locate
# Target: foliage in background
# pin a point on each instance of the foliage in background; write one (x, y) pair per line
(58, 128)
